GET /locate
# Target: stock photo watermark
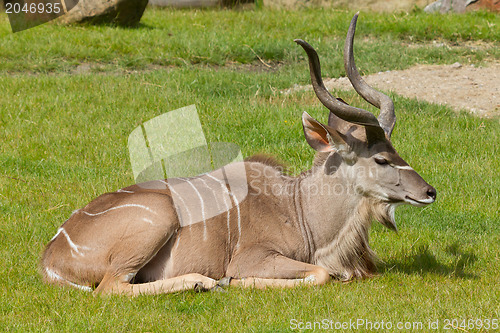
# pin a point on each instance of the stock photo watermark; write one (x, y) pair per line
(26, 14)
(170, 152)
(387, 325)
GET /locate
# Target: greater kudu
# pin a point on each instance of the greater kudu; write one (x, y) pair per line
(282, 232)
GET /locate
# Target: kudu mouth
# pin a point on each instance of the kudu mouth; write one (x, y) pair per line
(431, 197)
(418, 203)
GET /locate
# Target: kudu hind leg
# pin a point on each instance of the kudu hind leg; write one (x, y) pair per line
(279, 271)
(137, 243)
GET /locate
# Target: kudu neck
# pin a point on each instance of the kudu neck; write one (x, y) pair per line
(329, 202)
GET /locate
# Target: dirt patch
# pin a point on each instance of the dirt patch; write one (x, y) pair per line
(393, 6)
(475, 89)
(493, 5)
(375, 5)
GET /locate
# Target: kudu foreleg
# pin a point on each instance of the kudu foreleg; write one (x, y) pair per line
(280, 272)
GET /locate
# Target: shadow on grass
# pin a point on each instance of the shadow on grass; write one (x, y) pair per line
(422, 262)
(89, 23)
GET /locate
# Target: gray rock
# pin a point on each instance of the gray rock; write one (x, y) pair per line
(444, 6)
(120, 12)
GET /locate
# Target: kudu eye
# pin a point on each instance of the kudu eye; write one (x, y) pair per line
(380, 160)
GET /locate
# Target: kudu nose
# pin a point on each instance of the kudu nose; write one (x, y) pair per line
(431, 192)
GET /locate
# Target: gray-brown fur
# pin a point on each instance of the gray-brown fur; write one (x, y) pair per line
(268, 160)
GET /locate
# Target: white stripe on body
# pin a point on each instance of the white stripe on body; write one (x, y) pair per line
(124, 191)
(178, 240)
(122, 206)
(57, 234)
(237, 204)
(202, 206)
(53, 275)
(214, 194)
(179, 212)
(74, 247)
(228, 208)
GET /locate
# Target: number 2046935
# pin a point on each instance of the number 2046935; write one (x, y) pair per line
(33, 8)
(471, 324)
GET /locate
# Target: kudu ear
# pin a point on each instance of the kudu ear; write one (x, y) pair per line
(322, 138)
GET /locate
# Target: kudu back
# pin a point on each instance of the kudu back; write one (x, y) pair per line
(283, 232)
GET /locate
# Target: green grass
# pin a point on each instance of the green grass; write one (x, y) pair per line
(167, 38)
(64, 141)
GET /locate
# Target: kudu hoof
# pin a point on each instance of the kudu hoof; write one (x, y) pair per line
(225, 281)
(222, 284)
(218, 289)
(199, 287)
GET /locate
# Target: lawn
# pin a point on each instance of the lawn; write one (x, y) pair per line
(64, 130)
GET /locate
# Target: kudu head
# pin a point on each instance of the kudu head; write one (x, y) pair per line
(358, 144)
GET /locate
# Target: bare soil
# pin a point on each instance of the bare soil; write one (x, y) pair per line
(475, 89)
(375, 5)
